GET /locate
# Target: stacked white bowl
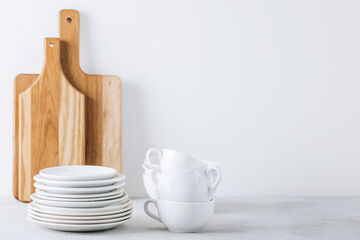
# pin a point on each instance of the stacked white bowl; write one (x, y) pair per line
(182, 188)
(79, 198)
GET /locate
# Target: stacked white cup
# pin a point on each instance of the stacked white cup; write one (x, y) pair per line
(181, 187)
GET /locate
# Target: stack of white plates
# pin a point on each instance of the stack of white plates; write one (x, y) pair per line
(79, 198)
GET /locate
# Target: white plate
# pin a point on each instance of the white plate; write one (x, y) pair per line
(98, 221)
(89, 190)
(78, 173)
(93, 204)
(78, 227)
(44, 197)
(122, 208)
(82, 218)
(79, 196)
(97, 183)
(116, 206)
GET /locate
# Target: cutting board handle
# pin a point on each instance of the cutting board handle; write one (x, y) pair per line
(52, 55)
(70, 35)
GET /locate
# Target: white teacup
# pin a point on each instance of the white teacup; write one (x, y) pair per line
(196, 185)
(173, 162)
(148, 170)
(151, 162)
(213, 174)
(149, 186)
(182, 216)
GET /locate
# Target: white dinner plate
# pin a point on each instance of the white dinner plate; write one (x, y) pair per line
(89, 190)
(78, 227)
(78, 173)
(98, 221)
(44, 197)
(82, 218)
(79, 196)
(122, 208)
(114, 207)
(92, 204)
(95, 183)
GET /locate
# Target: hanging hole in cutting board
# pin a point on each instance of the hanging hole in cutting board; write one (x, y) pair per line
(51, 45)
(68, 20)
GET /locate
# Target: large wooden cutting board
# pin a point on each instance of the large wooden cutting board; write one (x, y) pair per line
(103, 98)
(51, 122)
(103, 144)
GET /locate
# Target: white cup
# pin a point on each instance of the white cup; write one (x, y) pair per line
(173, 162)
(151, 162)
(196, 185)
(149, 186)
(213, 174)
(148, 171)
(146, 167)
(182, 216)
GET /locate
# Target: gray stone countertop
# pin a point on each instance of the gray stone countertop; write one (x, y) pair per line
(234, 218)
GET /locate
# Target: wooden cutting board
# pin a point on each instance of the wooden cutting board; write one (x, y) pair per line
(51, 122)
(103, 144)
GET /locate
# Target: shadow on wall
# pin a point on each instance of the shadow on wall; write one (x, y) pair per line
(135, 139)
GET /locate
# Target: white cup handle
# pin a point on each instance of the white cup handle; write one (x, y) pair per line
(154, 177)
(147, 211)
(212, 189)
(149, 152)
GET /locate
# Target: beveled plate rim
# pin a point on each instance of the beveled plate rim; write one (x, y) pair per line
(128, 205)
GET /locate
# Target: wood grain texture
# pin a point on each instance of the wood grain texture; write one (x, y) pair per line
(103, 98)
(103, 103)
(51, 122)
(21, 83)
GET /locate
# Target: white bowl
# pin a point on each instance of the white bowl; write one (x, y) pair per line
(94, 183)
(78, 173)
(91, 204)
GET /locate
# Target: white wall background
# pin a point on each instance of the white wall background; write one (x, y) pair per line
(268, 89)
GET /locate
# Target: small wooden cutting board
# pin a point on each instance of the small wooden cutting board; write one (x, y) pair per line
(103, 143)
(51, 122)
